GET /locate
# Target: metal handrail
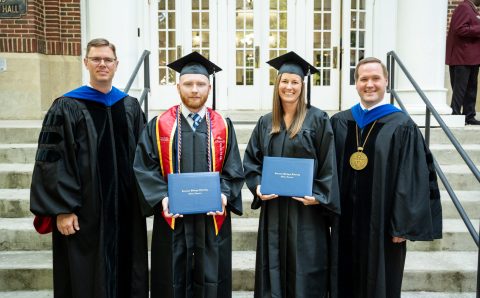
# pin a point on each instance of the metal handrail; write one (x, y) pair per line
(431, 109)
(392, 57)
(145, 60)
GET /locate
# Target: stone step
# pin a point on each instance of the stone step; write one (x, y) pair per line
(444, 154)
(447, 154)
(15, 203)
(465, 135)
(17, 153)
(243, 294)
(19, 234)
(17, 175)
(27, 131)
(460, 177)
(470, 201)
(455, 238)
(431, 272)
(20, 131)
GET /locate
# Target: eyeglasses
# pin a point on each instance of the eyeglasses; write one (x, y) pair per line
(98, 60)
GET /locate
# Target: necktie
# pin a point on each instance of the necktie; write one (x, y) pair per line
(196, 120)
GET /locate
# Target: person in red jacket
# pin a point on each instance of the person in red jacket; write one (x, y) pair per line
(463, 57)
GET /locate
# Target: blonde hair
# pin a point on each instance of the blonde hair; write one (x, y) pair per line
(277, 111)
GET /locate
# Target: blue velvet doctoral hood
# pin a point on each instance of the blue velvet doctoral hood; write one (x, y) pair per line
(363, 118)
(88, 93)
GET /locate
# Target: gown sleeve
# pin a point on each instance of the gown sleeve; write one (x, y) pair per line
(325, 183)
(232, 177)
(416, 213)
(146, 166)
(253, 163)
(56, 186)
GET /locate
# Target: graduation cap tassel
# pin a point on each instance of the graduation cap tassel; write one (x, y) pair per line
(308, 90)
(213, 102)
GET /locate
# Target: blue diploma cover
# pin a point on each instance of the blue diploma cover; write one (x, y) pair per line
(292, 177)
(193, 193)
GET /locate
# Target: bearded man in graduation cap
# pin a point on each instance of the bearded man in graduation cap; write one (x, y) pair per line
(83, 187)
(191, 254)
(388, 187)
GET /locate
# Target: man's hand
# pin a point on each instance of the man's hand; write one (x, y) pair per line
(265, 197)
(398, 239)
(307, 200)
(166, 211)
(67, 224)
(224, 203)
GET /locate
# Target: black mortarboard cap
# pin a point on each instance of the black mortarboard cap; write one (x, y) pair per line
(195, 63)
(293, 63)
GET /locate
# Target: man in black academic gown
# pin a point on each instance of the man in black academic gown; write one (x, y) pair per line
(389, 192)
(191, 255)
(83, 187)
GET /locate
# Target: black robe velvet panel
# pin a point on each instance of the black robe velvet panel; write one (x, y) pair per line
(189, 261)
(293, 246)
(395, 195)
(84, 166)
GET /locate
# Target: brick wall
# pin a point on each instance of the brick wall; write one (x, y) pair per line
(50, 27)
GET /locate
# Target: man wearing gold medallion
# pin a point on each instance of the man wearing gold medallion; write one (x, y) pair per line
(389, 192)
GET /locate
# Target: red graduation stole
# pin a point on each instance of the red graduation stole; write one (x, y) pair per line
(166, 129)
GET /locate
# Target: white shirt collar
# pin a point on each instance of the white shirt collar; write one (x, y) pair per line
(88, 84)
(186, 112)
(372, 107)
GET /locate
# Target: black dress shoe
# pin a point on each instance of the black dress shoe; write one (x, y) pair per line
(472, 121)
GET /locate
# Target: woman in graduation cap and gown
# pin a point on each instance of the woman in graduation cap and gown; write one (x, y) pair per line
(83, 169)
(192, 254)
(293, 242)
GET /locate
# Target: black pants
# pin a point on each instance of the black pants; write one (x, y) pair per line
(463, 79)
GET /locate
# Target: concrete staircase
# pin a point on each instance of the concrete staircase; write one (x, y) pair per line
(443, 268)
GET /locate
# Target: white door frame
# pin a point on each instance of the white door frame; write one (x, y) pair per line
(164, 96)
(222, 52)
(349, 95)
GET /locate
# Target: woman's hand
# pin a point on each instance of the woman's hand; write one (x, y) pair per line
(398, 239)
(265, 197)
(307, 200)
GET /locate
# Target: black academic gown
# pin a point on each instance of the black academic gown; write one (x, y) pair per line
(293, 246)
(84, 166)
(189, 261)
(395, 195)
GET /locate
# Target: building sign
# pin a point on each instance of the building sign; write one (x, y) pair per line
(10, 9)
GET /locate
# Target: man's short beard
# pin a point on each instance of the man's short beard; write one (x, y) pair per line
(195, 106)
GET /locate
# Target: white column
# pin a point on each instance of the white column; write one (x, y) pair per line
(420, 44)
(119, 22)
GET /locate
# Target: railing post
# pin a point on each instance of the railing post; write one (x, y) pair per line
(391, 81)
(427, 127)
(478, 272)
(146, 82)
